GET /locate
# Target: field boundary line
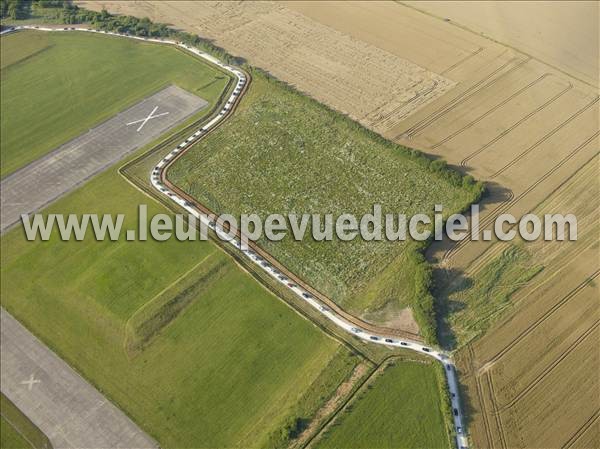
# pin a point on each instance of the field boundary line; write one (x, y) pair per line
(127, 325)
(480, 398)
(475, 89)
(507, 131)
(503, 206)
(503, 44)
(579, 432)
(531, 386)
(543, 139)
(455, 101)
(461, 61)
(494, 403)
(484, 413)
(491, 110)
(377, 371)
(385, 120)
(565, 299)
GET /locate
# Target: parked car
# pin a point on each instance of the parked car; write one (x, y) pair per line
(455, 410)
(389, 340)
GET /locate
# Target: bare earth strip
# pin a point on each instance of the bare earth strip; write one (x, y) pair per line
(67, 409)
(59, 172)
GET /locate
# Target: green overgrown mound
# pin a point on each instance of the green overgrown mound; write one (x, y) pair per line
(285, 153)
(474, 303)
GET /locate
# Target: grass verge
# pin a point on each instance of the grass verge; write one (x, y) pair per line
(474, 303)
(17, 431)
(400, 407)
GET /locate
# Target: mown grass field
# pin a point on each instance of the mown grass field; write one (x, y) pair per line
(10, 438)
(16, 430)
(226, 369)
(175, 333)
(400, 408)
(285, 153)
(86, 79)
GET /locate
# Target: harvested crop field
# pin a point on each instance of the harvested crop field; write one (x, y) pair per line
(325, 63)
(546, 343)
(511, 119)
(562, 33)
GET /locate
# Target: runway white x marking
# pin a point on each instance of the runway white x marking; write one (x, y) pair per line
(32, 380)
(145, 120)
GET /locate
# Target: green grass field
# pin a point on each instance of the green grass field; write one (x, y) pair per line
(86, 79)
(16, 430)
(190, 346)
(225, 370)
(10, 438)
(285, 153)
(400, 408)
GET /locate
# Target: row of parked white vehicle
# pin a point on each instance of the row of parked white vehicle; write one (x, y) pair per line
(156, 176)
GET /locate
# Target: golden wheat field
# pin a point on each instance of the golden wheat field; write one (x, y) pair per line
(532, 379)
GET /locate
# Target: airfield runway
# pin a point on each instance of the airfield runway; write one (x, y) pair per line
(38, 184)
(65, 407)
